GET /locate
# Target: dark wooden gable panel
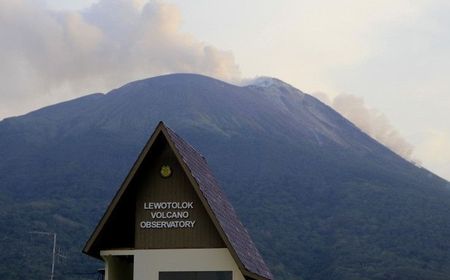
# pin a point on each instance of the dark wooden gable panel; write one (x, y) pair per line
(152, 187)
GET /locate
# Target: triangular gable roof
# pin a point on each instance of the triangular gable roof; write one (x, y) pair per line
(218, 207)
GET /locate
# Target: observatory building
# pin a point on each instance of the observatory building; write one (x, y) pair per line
(171, 221)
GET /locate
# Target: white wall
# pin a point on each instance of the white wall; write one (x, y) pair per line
(148, 263)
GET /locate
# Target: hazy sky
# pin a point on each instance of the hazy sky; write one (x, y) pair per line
(384, 64)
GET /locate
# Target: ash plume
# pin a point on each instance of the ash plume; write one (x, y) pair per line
(49, 56)
(369, 120)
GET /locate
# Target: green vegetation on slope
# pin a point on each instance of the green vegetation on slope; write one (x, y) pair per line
(321, 199)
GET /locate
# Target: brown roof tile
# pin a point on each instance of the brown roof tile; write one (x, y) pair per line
(235, 231)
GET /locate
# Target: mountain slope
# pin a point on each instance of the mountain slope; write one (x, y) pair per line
(321, 199)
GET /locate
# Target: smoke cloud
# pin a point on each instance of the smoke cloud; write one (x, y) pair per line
(370, 121)
(49, 56)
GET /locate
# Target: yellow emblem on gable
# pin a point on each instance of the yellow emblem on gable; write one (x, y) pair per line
(166, 171)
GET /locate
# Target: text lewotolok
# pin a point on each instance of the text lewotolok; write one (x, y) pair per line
(168, 205)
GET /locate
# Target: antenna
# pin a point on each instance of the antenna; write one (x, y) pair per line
(54, 248)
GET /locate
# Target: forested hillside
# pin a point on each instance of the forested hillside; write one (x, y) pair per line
(321, 199)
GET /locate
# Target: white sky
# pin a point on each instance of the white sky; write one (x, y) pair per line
(395, 54)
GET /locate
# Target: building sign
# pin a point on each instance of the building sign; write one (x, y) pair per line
(168, 215)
